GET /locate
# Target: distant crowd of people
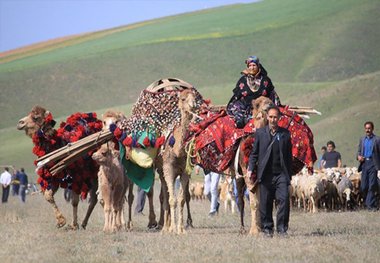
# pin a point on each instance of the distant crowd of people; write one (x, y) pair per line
(15, 184)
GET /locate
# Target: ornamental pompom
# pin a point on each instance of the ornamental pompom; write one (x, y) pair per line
(128, 141)
(117, 132)
(48, 118)
(146, 142)
(160, 141)
(113, 128)
(171, 141)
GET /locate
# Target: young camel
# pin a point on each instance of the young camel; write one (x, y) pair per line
(113, 185)
(172, 162)
(113, 117)
(35, 123)
(242, 181)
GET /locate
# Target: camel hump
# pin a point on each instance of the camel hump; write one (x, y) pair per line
(169, 84)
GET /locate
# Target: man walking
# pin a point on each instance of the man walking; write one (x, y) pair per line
(5, 180)
(23, 178)
(272, 157)
(369, 157)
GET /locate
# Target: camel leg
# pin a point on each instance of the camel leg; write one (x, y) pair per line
(233, 206)
(240, 184)
(152, 216)
(255, 215)
(49, 196)
(165, 209)
(74, 203)
(181, 201)
(189, 222)
(106, 194)
(92, 204)
(172, 202)
(130, 203)
(118, 198)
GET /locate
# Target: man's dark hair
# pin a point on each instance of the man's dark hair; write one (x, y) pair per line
(324, 148)
(331, 143)
(274, 107)
(6, 169)
(370, 123)
(22, 170)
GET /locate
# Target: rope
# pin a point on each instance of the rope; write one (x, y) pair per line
(189, 147)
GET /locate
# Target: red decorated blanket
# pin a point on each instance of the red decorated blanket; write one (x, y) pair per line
(217, 139)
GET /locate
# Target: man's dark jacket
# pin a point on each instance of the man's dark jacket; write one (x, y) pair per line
(375, 151)
(260, 155)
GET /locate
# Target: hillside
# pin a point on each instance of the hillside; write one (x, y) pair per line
(319, 53)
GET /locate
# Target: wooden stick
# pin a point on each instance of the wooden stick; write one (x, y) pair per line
(75, 155)
(96, 139)
(74, 144)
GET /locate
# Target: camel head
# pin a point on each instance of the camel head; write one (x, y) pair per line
(259, 107)
(105, 154)
(187, 101)
(35, 121)
(111, 117)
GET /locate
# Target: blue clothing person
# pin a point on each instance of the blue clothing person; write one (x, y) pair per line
(211, 191)
(369, 157)
(23, 178)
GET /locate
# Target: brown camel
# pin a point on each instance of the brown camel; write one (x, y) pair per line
(35, 123)
(113, 185)
(171, 162)
(114, 117)
(242, 181)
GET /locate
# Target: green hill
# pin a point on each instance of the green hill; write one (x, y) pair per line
(323, 54)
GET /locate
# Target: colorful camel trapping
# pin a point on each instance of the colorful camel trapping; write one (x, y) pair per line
(217, 139)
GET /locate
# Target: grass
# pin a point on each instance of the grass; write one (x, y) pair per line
(29, 233)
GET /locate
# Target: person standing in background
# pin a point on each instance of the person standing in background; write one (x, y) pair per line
(140, 203)
(211, 190)
(369, 157)
(331, 158)
(23, 178)
(5, 180)
(15, 182)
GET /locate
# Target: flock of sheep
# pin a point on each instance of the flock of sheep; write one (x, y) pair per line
(332, 189)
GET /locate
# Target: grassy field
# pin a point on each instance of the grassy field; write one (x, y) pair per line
(28, 233)
(323, 54)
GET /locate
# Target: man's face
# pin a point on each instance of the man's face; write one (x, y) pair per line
(330, 148)
(273, 116)
(368, 129)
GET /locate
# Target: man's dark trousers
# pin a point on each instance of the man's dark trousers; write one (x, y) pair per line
(274, 187)
(5, 194)
(368, 184)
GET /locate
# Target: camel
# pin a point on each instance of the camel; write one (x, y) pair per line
(113, 117)
(171, 162)
(242, 181)
(39, 122)
(113, 185)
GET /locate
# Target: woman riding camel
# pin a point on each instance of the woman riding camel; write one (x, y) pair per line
(253, 83)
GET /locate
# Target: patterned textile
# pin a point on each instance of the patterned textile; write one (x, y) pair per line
(216, 144)
(216, 141)
(78, 175)
(302, 140)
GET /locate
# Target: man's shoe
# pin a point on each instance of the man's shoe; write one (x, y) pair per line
(212, 214)
(268, 233)
(283, 234)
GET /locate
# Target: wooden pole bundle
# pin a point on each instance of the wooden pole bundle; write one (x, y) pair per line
(70, 153)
